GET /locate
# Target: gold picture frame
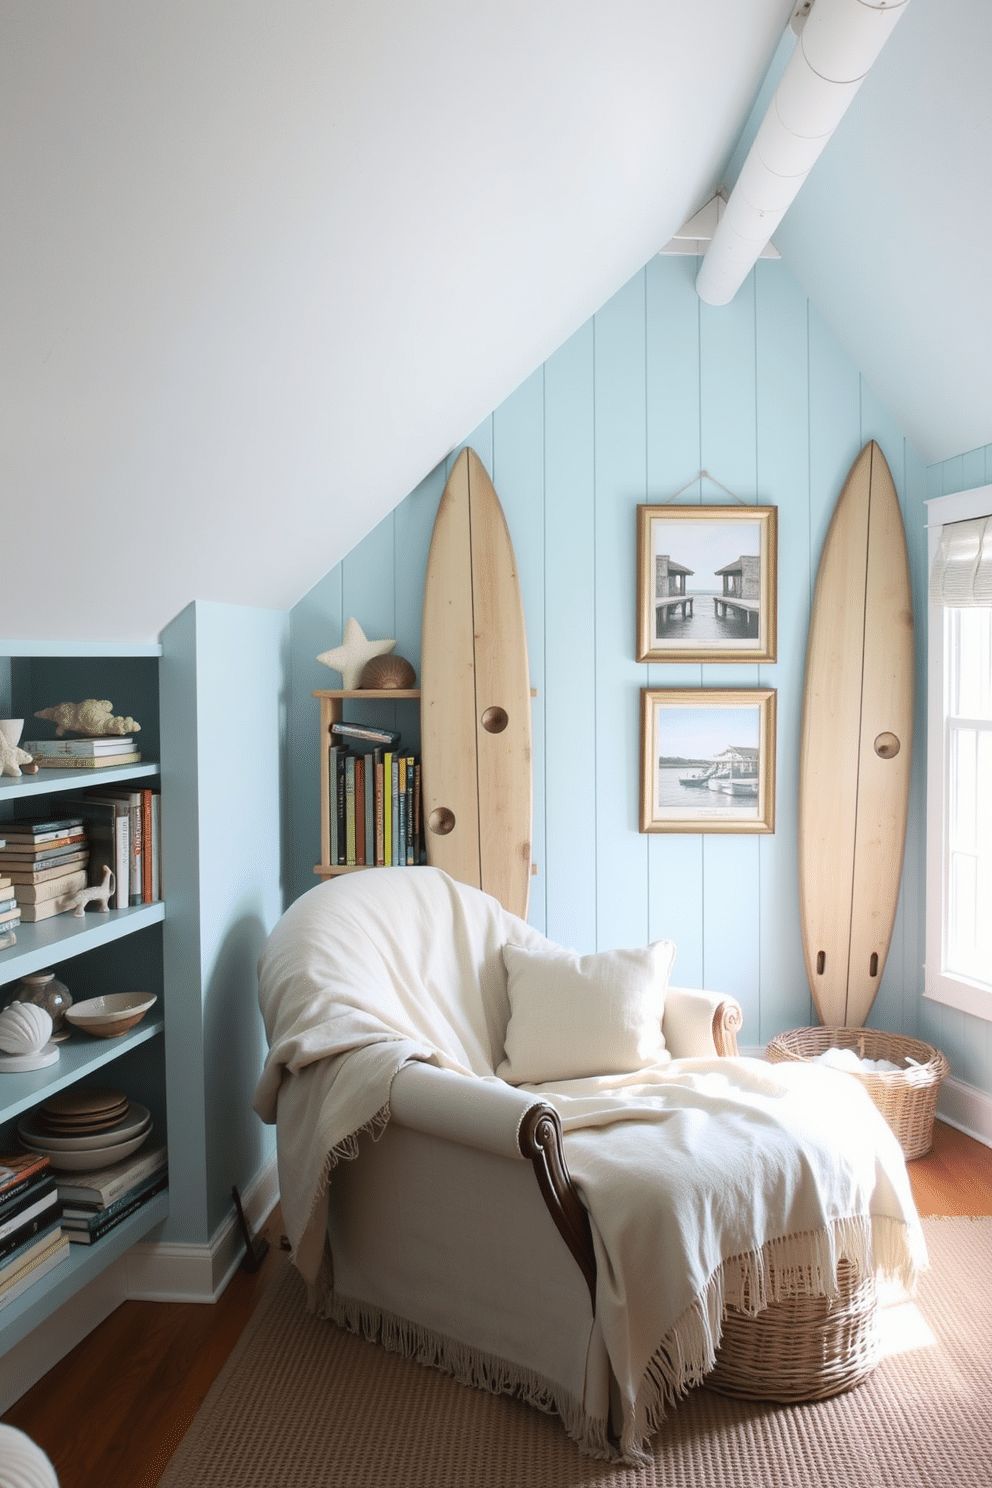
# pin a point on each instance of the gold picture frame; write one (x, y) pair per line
(707, 583)
(708, 759)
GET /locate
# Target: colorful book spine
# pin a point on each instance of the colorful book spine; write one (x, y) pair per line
(87, 762)
(369, 771)
(349, 810)
(387, 807)
(332, 788)
(360, 809)
(401, 810)
(380, 846)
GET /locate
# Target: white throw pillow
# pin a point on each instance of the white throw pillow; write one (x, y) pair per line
(574, 1016)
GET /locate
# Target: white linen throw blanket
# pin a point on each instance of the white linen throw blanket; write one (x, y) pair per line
(700, 1175)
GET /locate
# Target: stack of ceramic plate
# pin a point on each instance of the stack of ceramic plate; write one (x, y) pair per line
(85, 1128)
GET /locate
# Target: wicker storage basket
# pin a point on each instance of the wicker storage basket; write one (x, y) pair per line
(907, 1098)
(802, 1348)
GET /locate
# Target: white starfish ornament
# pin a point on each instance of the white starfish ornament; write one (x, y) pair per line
(351, 656)
(12, 758)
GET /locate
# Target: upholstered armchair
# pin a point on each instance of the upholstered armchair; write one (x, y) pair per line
(548, 1174)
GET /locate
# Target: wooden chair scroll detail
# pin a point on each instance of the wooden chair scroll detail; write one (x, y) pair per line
(728, 1020)
(541, 1142)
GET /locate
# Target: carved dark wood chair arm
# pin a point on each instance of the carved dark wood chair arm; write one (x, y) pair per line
(540, 1140)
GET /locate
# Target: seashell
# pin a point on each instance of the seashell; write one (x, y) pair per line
(388, 671)
(24, 1028)
(25, 1465)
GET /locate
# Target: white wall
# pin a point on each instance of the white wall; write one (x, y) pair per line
(261, 265)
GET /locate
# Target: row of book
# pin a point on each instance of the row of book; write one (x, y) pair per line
(43, 862)
(43, 1212)
(32, 1242)
(375, 803)
(97, 753)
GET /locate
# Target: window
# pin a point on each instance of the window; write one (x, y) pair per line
(959, 737)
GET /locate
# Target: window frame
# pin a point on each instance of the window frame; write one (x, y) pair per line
(951, 989)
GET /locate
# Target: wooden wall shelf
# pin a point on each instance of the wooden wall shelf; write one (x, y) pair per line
(332, 702)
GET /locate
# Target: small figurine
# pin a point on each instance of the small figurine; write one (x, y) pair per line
(92, 717)
(95, 894)
(12, 757)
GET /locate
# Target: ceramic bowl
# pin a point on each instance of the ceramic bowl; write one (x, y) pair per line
(113, 1014)
(91, 1158)
(32, 1131)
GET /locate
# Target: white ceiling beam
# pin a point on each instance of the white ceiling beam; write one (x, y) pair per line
(694, 237)
(839, 41)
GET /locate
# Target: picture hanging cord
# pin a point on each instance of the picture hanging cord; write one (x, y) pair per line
(705, 475)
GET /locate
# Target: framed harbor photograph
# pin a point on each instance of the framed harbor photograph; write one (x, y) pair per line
(707, 759)
(707, 583)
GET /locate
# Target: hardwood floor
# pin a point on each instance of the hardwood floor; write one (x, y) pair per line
(113, 1411)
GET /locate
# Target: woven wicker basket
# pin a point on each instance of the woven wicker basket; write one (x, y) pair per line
(907, 1098)
(802, 1348)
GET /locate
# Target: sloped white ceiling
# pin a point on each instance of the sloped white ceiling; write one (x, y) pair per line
(262, 265)
(892, 233)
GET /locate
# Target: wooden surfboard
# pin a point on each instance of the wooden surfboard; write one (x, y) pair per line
(856, 745)
(475, 721)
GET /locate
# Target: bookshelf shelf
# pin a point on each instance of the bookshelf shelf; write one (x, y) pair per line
(111, 952)
(84, 1264)
(46, 782)
(62, 936)
(332, 702)
(80, 1055)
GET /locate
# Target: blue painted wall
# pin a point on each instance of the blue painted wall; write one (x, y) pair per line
(222, 676)
(655, 388)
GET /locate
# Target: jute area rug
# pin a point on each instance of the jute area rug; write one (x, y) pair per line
(301, 1402)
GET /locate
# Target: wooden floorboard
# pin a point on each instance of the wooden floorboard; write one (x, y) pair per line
(113, 1411)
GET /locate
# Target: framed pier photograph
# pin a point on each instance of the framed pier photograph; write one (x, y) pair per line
(706, 583)
(707, 759)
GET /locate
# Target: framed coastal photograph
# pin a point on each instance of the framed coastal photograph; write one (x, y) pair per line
(707, 583)
(707, 759)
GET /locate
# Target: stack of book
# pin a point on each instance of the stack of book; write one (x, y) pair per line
(31, 1239)
(377, 799)
(45, 862)
(124, 828)
(95, 1203)
(83, 754)
(10, 915)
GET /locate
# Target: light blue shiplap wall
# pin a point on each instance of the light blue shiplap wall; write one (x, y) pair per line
(656, 387)
(966, 1040)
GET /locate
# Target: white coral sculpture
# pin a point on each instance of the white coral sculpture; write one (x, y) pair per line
(93, 717)
(12, 758)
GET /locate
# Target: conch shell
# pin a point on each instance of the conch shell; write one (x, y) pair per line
(24, 1028)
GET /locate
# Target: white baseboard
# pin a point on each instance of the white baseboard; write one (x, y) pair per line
(169, 1272)
(967, 1108)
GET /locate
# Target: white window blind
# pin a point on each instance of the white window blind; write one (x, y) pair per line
(962, 574)
(959, 813)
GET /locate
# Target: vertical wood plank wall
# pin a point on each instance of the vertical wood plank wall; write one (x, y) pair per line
(656, 387)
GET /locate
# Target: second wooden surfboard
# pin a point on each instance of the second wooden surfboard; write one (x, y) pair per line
(856, 745)
(475, 718)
